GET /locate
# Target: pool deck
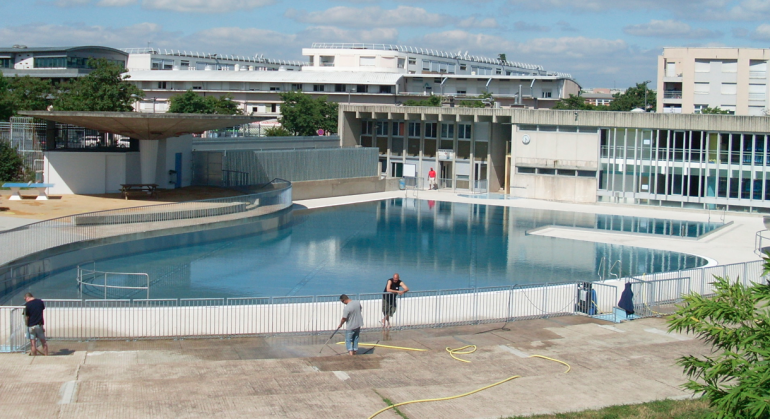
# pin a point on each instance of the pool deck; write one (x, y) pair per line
(300, 377)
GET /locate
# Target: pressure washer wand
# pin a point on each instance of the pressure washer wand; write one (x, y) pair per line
(330, 338)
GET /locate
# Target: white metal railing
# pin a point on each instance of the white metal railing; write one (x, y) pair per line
(205, 317)
(105, 282)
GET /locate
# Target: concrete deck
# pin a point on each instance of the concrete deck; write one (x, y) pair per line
(299, 377)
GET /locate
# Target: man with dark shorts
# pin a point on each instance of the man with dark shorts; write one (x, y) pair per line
(392, 288)
(352, 316)
(33, 312)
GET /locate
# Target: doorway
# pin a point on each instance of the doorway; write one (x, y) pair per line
(397, 169)
(446, 174)
(480, 182)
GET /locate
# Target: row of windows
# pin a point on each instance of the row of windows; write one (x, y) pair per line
(6, 63)
(410, 147)
(380, 129)
(68, 62)
(558, 128)
(555, 172)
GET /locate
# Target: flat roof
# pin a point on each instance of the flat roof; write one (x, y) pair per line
(143, 126)
(57, 49)
(341, 77)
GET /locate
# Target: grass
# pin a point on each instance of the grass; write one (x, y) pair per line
(663, 409)
(390, 403)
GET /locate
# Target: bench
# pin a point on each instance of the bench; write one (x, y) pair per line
(16, 188)
(129, 188)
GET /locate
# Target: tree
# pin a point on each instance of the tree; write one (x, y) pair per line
(11, 164)
(501, 57)
(30, 93)
(633, 97)
(303, 115)
(277, 132)
(432, 101)
(105, 89)
(714, 111)
(480, 102)
(6, 106)
(736, 322)
(577, 103)
(191, 102)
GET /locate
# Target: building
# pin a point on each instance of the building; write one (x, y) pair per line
(732, 79)
(691, 161)
(55, 63)
(346, 73)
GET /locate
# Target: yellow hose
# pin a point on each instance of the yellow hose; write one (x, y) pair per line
(460, 351)
(387, 346)
(470, 392)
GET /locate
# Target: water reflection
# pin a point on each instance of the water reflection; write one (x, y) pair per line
(356, 248)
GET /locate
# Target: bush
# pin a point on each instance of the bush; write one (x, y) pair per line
(11, 163)
(277, 132)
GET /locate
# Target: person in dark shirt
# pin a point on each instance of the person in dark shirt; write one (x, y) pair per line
(392, 288)
(33, 312)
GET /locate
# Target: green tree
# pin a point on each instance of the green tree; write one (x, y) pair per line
(30, 93)
(501, 57)
(6, 106)
(191, 102)
(577, 103)
(736, 323)
(481, 101)
(277, 132)
(714, 111)
(303, 115)
(632, 98)
(11, 164)
(432, 101)
(105, 89)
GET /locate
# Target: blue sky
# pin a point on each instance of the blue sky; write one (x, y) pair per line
(602, 43)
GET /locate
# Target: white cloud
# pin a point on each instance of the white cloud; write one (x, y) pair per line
(81, 34)
(746, 10)
(669, 29)
(204, 6)
(473, 22)
(522, 26)
(603, 5)
(369, 17)
(761, 33)
(115, 3)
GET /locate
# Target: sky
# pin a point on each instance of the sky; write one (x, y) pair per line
(601, 43)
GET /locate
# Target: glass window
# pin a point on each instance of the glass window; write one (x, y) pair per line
(382, 129)
(412, 61)
(414, 129)
(430, 129)
(413, 147)
(430, 148)
(339, 88)
(464, 131)
(544, 171)
(527, 127)
(398, 129)
(318, 87)
(447, 130)
(366, 61)
(6, 63)
(50, 62)
(527, 170)
(386, 89)
(366, 127)
(361, 88)
(296, 87)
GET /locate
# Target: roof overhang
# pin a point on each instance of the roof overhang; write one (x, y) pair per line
(143, 126)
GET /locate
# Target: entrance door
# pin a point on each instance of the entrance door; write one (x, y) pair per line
(446, 175)
(397, 169)
(480, 183)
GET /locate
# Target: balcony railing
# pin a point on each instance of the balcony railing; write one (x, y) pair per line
(672, 94)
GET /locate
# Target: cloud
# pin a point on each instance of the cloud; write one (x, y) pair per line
(669, 29)
(521, 26)
(603, 5)
(115, 3)
(82, 34)
(761, 33)
(746, 10)
(368, 17)
(565, 26)
(473, 22)
(204, 6)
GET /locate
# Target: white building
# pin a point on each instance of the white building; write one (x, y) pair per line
(732, 79)
(346, 73)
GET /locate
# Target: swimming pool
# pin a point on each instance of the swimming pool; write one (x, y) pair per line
(355, 248)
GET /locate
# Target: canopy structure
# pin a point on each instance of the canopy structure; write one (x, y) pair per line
(143, 126)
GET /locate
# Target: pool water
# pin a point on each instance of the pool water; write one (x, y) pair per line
(355, 248)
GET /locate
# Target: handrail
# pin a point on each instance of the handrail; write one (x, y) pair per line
(82, 282)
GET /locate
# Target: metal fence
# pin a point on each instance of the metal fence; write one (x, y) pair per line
(35, 237)
(262, 316)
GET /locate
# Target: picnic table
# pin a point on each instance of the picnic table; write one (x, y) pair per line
(16, 188)
(128, 188)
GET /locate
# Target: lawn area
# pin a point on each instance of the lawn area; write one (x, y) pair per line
(663, 409)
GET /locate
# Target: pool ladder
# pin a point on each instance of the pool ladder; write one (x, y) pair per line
(600, 273)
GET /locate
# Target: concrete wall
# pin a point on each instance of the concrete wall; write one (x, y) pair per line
(312, 189)
(567, 150)
(554, 188)
(87, 172)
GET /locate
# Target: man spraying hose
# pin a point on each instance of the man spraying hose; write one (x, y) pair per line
(352, 316)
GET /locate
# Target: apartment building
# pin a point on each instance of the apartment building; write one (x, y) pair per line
(732, 79)
(55, 63)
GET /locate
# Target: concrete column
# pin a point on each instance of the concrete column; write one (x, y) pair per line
(148, 160)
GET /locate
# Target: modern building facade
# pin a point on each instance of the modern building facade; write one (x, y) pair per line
(691, 161)
(732, 79)
(55, 63)
(346, 73)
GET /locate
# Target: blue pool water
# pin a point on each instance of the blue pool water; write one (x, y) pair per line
(356, 248)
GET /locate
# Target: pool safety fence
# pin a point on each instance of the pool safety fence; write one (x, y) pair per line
(84, 320)
(37, 237)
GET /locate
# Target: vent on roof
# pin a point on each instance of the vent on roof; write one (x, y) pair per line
(19, 46)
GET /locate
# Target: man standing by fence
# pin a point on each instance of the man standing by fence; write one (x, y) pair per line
(33, 312)
(432, 179)
(392, 288)
(352, 316)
